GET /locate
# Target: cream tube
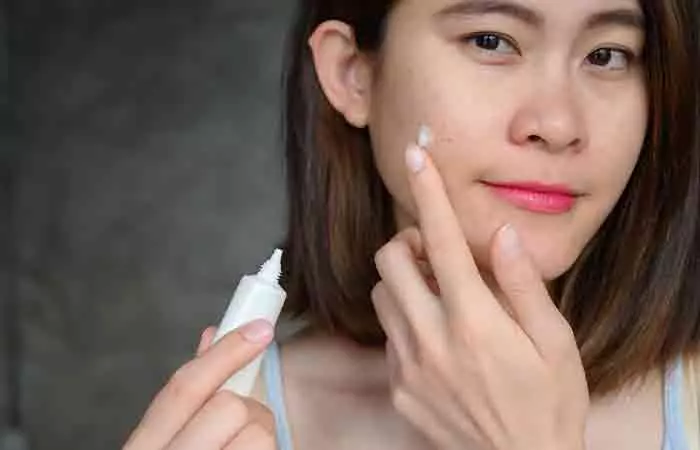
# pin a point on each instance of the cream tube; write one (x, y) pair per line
(256, 297)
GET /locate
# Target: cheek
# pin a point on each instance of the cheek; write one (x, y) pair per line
(459, 150)
(463, 131)
(618, 123)
(616, 145)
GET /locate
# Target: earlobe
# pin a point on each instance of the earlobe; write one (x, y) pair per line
(344, 73)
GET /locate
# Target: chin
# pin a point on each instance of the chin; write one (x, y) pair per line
(554, 263)
(550, 266)
(550, 272)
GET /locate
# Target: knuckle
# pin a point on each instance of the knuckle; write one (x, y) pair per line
(397, 247)
(379, 292)
(467, 334)
(433, 363)
(440, 245)
(260, 413)
(518, 289)
(182, 385)
(261, 435)
(428, 359)
(380, 255)
(400, 399)
(409, 374)
(564, 342)
(231, 405)
(412, 234)
(474, 345)
(385, 253)
(267, 417)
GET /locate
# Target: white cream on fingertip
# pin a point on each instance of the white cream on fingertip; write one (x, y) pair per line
(425, 137)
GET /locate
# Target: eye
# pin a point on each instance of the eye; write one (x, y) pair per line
(492, 42)
(610, 59)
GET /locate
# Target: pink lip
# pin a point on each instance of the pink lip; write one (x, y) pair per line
(536, 197)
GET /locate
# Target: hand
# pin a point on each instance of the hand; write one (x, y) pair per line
(189, 413)
(471, 368)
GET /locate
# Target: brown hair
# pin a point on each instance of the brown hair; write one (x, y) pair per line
(630, 297)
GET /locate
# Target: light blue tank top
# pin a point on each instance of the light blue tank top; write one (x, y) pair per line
(674, 435)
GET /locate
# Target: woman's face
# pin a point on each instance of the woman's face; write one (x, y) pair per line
(521, 96)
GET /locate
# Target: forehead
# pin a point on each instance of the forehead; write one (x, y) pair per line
(564, 19)
(535, 11)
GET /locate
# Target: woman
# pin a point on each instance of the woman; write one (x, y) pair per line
(524, 282)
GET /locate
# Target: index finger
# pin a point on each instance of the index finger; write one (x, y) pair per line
(453, 263)
(195, 382)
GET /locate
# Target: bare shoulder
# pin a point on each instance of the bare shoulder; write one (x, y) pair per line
(630, 418)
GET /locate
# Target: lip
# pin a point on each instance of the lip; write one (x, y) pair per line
(536, 196)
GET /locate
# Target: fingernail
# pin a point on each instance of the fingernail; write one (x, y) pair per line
(257, 331)
(510, 242)
(415, 158)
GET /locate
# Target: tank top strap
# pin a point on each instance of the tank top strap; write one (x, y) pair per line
(674, 431)
(272, 373)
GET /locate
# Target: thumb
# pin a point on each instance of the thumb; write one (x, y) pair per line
(525, 292)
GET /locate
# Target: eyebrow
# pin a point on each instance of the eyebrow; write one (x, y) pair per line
(631, 18)
(504, 7)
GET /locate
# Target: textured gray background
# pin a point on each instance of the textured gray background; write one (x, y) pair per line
(148, 179)
(7, 152)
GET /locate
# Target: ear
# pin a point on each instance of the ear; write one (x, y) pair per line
(344, 72)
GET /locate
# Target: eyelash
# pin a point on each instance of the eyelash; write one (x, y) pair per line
(502, 37)
(629, 56)
(471, 39)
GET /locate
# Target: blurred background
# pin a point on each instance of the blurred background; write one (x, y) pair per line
(141, 176)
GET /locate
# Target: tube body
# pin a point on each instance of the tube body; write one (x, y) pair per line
(256, 297)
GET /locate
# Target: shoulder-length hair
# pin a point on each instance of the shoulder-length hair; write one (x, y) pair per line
(631, 297)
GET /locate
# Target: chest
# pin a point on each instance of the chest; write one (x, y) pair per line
(318, 422)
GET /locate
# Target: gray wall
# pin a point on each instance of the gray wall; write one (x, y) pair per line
(6, 157)
(150, 180)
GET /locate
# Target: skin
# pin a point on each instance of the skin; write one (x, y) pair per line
(479, 357)
(539, 112)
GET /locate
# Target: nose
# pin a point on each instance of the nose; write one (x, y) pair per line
(551, 119)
